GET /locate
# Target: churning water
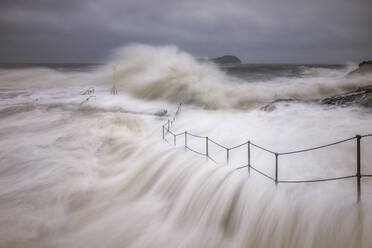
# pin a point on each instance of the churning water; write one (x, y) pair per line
(96, 173)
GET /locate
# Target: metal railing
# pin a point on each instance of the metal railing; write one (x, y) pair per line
(358, 175)
(90, 92)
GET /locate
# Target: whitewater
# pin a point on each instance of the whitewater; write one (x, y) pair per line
(80, 170)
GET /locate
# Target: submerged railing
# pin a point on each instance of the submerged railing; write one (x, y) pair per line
(358, 175)
(90, 92)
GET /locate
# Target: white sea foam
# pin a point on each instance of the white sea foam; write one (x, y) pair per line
(99, 174)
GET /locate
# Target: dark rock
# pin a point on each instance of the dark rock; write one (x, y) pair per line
(369, 62)
(364, 68)
(226, 60)
(361, 96)
(272, 106)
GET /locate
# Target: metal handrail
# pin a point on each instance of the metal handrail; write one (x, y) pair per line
(358, 175)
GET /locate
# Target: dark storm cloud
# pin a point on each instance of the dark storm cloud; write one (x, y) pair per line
(257, 31)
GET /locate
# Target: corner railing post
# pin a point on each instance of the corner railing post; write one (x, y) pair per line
(358, 137)
(185, 140)
(206, 147)
(276, 168)
(249, 157)
(174, 139)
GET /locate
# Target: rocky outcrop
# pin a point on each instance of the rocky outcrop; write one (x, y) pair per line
(364, 68)
(273, 105)
(226, 60)
(361, 96)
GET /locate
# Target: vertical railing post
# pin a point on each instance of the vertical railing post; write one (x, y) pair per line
(185, 140)
(276, 168)
(206, 147)
(227, 155)
(249, 157)
(174, 139)
(358, 137)
(168, 126)
(163, 133)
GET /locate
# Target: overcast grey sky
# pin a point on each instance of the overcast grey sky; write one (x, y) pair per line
(287, 31)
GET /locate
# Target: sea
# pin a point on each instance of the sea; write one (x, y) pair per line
(155, 148)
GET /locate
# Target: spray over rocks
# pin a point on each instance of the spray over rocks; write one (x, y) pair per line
(166, 73)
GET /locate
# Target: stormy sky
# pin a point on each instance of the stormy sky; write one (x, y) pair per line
(258, 31)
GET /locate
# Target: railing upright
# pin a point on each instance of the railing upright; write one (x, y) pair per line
(227, 155)
(358, 138)
(249, 157)
(186, 140)
(276, 168)
(206, 147)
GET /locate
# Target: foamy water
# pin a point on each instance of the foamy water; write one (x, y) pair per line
(98, 174)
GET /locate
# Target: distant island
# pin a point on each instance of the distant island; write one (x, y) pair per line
(226, 60)
(223, 60)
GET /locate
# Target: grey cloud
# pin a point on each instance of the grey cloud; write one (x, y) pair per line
(257, 31)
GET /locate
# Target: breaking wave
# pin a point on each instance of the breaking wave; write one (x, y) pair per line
(166, 73)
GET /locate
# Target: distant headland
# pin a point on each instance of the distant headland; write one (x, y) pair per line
(226, 60)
